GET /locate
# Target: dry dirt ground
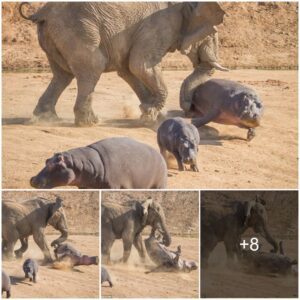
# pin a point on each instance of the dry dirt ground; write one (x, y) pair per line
(130, 280)
(79, 282)
(226, 160)
(219, 281)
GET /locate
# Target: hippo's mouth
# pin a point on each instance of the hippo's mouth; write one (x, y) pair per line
(250, 123)
(40, 184)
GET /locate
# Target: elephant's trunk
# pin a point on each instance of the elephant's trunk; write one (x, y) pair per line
(166, 235)
(199, 76)
(62, 238)
(266, 234)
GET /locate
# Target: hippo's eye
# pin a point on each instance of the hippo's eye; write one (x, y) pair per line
(258, 105)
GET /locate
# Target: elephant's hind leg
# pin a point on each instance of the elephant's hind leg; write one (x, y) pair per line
(24, 247)
(139, 245)
(45, 109)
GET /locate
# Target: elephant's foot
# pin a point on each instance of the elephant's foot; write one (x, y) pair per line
(250, 134)
(49, 116)
(85, 118)
(47, 261)
(149, 113)
(194, 168)
(18, 253)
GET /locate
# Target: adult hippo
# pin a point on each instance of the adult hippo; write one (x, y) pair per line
(227, 102)
(112, 163)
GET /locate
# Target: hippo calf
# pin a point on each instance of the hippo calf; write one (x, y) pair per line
(105, 277)
(30, 268)
(227, 102)
(267, 262)
(112, 163)
(6, 284)
(66, 251)
(166, 259)
(181, 139)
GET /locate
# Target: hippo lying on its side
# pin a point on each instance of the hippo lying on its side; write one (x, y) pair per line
(181, 139)
(112, 163)
(6, 284)
(105, 277)
(30, 268)
(166, 259)
(227, 102)
(267, 262)
(65, 251)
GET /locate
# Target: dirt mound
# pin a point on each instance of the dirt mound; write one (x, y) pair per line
(254, 35)
(181, 208)
(76, 205)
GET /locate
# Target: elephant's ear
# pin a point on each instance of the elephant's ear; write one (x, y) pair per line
(54, 213)
(146, 205)
(210, 11)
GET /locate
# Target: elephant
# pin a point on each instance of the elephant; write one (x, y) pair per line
(227, 224)
(20, 220)
(204, 54)
(127, 222)
(85, 39)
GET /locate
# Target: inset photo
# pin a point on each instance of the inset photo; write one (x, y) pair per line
(150, 244)
(249, 244)
(50, 244)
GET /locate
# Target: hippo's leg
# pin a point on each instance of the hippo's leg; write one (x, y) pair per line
(251, 134)
(210, 116)
(24, 247)
(179, 161)
(45, 108)
(139, 245)
(194, 167)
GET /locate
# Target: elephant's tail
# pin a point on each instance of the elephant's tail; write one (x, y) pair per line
(35, 18)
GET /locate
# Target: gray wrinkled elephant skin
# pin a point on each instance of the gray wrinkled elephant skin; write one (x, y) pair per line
(85, 39)
(181, 139)
(267, 262)
(227, 102)
(167, 259)
(105, 277)
(30, 268)
(6, 284)
(112, 163)
(228, 222)
(23, 219)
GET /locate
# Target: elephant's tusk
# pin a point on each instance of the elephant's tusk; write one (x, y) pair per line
(218, 66)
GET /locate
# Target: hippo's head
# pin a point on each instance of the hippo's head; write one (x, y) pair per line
(188, 150)
(57, 172)
(249, 109)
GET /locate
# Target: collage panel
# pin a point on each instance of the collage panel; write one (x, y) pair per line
(150, 244)
(249, 244)
(50, 244)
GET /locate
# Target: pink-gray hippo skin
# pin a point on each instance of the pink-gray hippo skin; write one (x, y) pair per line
(66, 251)
(112, 163)
(227, 102)
(6, 284)
(105, 277)
(181, 139)
(30, 268)
(166, 259)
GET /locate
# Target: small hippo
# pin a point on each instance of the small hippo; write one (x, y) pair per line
(30, 268)
(167, 259)
(227, 102)
(112, 163)
(267, 262)
(6, 284)
(105, 277)
(181, 139)
(66, 251)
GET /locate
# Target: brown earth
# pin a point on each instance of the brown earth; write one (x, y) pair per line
(82, 211)
(182, 216)
(218, 280)
(226, 160)
(254, 35)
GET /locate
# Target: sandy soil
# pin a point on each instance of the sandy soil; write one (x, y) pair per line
(226, 160)
(130, 280)
(79, 282)
(219, 281)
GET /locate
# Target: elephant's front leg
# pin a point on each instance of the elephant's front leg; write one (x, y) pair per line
(107, 240)
(139, 245)
(39, 238)
(24, 247)
(9, 249)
